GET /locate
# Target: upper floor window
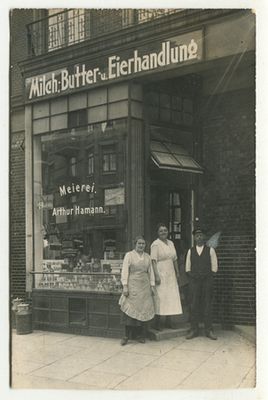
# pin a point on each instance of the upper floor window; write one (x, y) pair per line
(65, 27)
(109, 159)
(171, 108)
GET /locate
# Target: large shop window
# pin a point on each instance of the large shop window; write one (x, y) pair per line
(69, 207)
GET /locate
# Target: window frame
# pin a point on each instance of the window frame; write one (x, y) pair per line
(105, 153)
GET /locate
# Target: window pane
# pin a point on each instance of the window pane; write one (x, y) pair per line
(118, 109)
(166, 159)
(175, 148)
(187, 162)
(77, 118)
(164, 100)
(177, 214)
(97, 114)
(165, 114)
(58, 122)
(91, 164)
(153, 113)
(158, 146)
(188, 105)
(176, 103)
(62, 199)
(41, 125)
(41, 109)
(73, 166)
(58, 106)
(187, 119)
(176, 199)
(77, 101)
(106, 165)
(112, 162)
(97, 97)
(176, 117)
(118, 92)
(152, 98)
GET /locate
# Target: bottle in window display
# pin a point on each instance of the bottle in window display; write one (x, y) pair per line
(96, 265)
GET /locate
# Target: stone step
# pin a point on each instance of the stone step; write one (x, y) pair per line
(168, 333)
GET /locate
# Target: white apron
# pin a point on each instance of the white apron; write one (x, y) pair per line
(168, 300)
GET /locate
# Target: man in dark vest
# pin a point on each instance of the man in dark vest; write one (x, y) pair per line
(201, 266)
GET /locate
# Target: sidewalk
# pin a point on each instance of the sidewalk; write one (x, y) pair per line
(63, 361)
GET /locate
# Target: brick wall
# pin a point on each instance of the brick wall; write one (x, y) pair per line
(18, 46)
(228, 200)
(17, 215)
(18, 52)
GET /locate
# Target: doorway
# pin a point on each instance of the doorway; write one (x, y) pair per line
(173, 208)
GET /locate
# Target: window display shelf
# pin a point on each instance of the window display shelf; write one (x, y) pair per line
(78, 281)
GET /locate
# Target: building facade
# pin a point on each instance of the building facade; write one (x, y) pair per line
(124, 119)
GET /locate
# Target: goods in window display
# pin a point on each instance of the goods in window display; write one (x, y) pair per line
(56, 274)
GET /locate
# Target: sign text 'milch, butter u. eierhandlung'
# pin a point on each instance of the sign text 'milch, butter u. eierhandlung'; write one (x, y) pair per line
(170, 53)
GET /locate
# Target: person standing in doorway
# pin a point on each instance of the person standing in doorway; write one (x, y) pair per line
(165, 265)
(201, 266)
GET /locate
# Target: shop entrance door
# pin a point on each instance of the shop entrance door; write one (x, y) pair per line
(180, 219)
(172, 207)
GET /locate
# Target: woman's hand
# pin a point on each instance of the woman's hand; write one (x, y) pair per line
(157, 280)
(125, 290)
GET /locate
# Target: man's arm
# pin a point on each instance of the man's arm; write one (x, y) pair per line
(188, 261)
(214, 260)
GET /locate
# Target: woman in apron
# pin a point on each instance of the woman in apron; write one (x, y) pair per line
(165, 265)
(136, 301)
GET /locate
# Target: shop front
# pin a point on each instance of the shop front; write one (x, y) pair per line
(80, 213)
(114, 147)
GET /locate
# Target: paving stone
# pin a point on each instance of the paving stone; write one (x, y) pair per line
(250, 379)
(125, 363)
(35, 382)
(23, 367)
(50, 353)
(214, 374)
(64, 369)
(201, 344)
(54, 360)
(244, 355)
(150, 378)
(151, 347)
(183, 361)
(100, 379)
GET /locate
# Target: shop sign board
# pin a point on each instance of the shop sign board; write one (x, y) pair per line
(156, 56)
(114, 197)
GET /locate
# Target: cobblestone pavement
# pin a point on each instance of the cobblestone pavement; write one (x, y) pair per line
(56, 360)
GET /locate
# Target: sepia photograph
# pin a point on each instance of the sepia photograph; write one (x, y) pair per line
(132, 198)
